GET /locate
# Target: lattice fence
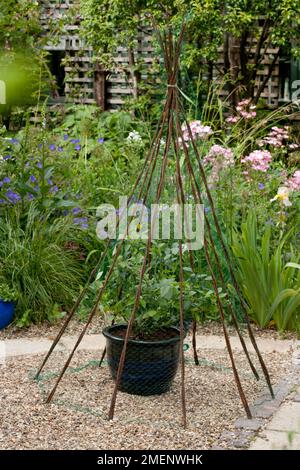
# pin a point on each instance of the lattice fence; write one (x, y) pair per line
(81, 72)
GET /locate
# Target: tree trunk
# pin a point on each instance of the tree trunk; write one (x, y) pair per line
(99, 86)
(135, 74)
(235, 67)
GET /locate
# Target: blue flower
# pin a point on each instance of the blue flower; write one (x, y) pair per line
(36, 188)
(100, 140)
(52, 147)
(12, 196)
(2, 201)
(30, 197)
(54, 189)
(32, 178)
(81, 221)
(77, 147)
(75, 141)
(7, 157)
(1, 184)
(14, 141)
(39, 165)
(60, 149)
(6, 179)
(261, 186)
(66, 137)
(50, 182)
(76, 210)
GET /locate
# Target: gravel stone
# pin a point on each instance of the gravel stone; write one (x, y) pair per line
(77, 418)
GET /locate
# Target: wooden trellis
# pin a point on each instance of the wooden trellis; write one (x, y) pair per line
(86, 84)
(271, 92)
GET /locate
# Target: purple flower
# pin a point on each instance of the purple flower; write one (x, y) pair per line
(32, 178)
(100, 140)
(75, 141)
(206, 209)
(6, 179)
(54, 189)
(66, 137)
(12, 196)
(82, 221)
(30, 197)
(7, 157)
(261, 186)
(36, 188)
(39, 165)
(60, 149)
(77, 147)
(14, 141)
(49, 181)
(76, 210)
(1, 184)
(52, 147)
(2, 201)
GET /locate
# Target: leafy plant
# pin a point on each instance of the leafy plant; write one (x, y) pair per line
(271, 288)
(36, 260)
(7, 294)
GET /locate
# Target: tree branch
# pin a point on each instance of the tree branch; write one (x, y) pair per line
(267, 77)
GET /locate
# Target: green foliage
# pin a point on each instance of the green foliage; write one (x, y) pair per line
(271, 288)
(159, 303)
(7, 294)
(235, 24)
(35, 259)
(23, 59)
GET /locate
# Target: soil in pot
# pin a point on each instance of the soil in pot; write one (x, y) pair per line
(150, 365)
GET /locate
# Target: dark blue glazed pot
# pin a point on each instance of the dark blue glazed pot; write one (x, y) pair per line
(7, 310)
(150, 366)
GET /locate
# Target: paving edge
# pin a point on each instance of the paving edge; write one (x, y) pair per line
(263, 409)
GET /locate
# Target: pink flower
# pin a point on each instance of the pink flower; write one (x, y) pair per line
(259, 160)
(293, 182)
(232, 119)
(198, 131)
(219, 158)
(246, 111)
(275, 137)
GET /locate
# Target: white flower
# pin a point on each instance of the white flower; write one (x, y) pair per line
(283, 196)
(134, 137)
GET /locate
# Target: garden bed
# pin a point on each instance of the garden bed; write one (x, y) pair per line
(77, 417)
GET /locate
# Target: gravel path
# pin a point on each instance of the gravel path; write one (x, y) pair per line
(77, 420)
